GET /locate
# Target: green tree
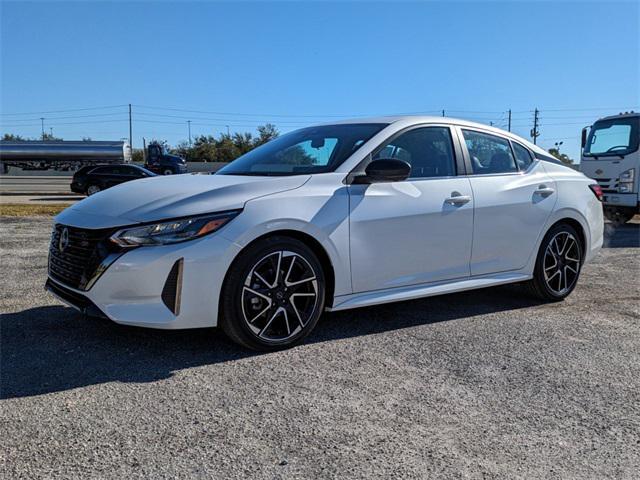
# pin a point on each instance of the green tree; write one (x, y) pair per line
(266, 133)
(137, 156)
(563, 157)
(10, 137)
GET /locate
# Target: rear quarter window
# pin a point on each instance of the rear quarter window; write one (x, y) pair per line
(523, 156)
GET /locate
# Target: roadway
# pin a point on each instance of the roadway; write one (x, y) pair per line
(35, 185)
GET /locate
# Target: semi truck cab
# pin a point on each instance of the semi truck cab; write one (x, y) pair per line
(159, 161)
(611, 157)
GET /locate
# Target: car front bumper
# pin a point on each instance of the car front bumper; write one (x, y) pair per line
(77, 187)
(130, 291)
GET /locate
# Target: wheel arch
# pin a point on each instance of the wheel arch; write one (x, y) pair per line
(313, 244)
(577, 226)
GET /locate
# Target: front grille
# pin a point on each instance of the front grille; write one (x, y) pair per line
(75, 261)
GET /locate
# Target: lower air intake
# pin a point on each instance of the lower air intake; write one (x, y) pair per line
(173, 287)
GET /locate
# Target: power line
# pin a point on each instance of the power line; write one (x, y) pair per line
(64, 111)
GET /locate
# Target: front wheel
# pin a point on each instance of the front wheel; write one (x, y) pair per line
(93, 189)
(273, 294)
(167, 171)
(558, 264)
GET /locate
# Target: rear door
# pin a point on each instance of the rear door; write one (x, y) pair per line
(513, 197)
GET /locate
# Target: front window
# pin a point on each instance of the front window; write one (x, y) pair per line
(429, 151)
(613, 137)
(309, 150)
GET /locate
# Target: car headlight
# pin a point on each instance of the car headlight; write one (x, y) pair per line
(172, 231)
(625, 184)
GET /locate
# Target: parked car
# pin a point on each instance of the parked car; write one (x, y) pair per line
(92, 179)
(329, 217)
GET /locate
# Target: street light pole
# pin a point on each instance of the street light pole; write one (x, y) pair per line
(189, 124)
(130, 130)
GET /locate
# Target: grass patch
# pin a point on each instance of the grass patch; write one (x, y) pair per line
(30, 210)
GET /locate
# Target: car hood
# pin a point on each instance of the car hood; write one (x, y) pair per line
(172, 196)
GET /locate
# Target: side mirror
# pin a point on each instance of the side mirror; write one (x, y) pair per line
(387, 170)
(584, 137)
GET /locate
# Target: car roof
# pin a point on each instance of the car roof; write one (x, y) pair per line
(403, 121)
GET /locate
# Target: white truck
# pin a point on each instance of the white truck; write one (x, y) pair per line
(610, 156)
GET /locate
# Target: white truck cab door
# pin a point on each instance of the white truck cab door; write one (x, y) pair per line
(513, 196)
(413, 231)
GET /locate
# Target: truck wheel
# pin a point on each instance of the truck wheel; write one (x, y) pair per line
(167, 171)
(618, 216)
(92, 189)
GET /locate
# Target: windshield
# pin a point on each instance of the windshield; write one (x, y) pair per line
(309, 150)
(613, 137)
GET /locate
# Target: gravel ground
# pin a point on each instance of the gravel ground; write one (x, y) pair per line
(472, 385)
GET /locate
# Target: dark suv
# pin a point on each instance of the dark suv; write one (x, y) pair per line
(92, 179)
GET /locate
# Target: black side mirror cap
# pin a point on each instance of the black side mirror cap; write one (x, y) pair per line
(387, 170)
(584, 137)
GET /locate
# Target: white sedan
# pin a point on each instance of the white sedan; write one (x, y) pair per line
(328, 217)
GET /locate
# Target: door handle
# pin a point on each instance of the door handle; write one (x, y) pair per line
(457, 199)
(544, 191)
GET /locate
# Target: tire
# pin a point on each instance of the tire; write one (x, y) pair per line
(265, 313)
(618, 216)
(93, 189)
(555, 281)
(167, 171)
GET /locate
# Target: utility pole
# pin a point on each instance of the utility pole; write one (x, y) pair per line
(51, 131)
(189, 124)
(228, 130)
(443, 112)
(509, 119)
(42, 122)
(534, 131)
(130, 130)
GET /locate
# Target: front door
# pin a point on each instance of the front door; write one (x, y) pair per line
(414, 231)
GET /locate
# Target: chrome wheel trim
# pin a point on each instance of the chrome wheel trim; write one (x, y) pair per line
(279, 296)
(561, 263)
(93, 189)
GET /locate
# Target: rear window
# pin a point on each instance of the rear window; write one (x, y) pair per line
(489, 154)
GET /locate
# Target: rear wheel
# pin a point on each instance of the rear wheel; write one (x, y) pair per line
(167, 171)
(558, 264)
(93, 189)
(618, 216)
(273, 295)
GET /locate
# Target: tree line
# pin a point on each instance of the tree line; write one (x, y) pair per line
(223, 148)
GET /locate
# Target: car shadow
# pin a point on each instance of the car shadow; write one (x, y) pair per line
(622, 236)
(55, 348)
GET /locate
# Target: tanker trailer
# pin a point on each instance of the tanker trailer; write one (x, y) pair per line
(61, 155)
